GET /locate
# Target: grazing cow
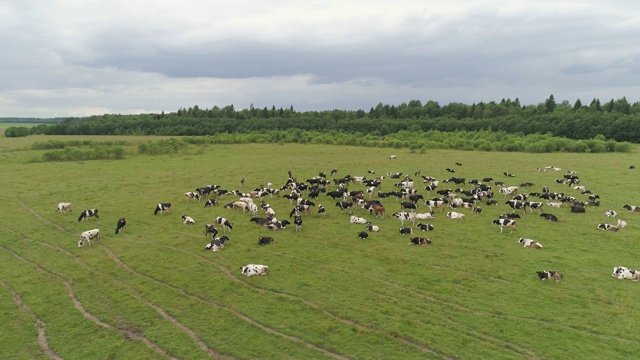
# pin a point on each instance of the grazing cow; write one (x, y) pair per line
(88, 236)
(187, 220)
(88, 213)
(253, 209)
(322, 211)
(508, 174)
(419, 241)
(548, 274)
(335, 194)
(64, 207)
(517, 205)
(297, 220)
(357, 220)
(510, 223)
(408, 205)
(529, 243)
(122, 222)
(363, 235)
(608, 227)
(406, 231)
(211, 202)
(192, 195)
(534, 205)
(622, 272)
(378, 210)
(392, 157)
(224, 223)
(611, 213)
(424, 227)
(210, 230)
(334, 171)
(455, 215)
(216, 243)
(549, 217)
(254, 269)
(344, 205)
(414, 198)
(508, 190)
(162, 207)
(372, 228)
(621, 223)
(632, 208)
(265, 240)
(436, 203)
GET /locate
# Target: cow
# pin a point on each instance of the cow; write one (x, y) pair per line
(632, 208)
(253, 209)
(408, 205)
(517, 205)
(611, 213)
(357, 220)
(529, 243)
(378, 210)
(224, 223)
(406, 231)
(622, 272)
(363, 235)
(510, 223)
(322, 211)
(122, 222)
(549, 217)
(88, 213)
(210, 230)
(509, 190)
(211, 202)
(88, 236)
(450, 170)
(372, 228)
(216, 243)
(344, 205)
(297, 220)
(63, 207)
(608, 227)
(277, 225)
(192, 195)
(162, 207)
(621, 223)
(578, 209)
(187, 220)
(436, 203)
(335, 194)
(265, 240)
(392, 157)
(508, 174)
(419, 241)
(455, 215)
(548, 274)
(254, 269)
(510, 216)
(555, 204)
(424, 227)
(534, 205)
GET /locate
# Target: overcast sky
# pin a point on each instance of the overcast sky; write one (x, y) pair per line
(81, 57)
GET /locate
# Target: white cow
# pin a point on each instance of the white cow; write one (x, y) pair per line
(611, 213)
(254, 269)
(187, 220)
(529, 243)
(622, 272)
(455, 215)
(88, 235)
(63, 207)
(357, 220)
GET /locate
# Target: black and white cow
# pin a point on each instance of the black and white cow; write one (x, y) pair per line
(632, 208)
(548, 274)
(357, 220)
(611, 213)
(425, 227)
(192, 195)
(322, 211)
(211, 202)
(88, 236)
(549, 217)
(372, 228)
(216, 243)
(608, 227)
(122, 222)
(210, 230)
(530, 243)
(297, 220)
(254, 269)
(503, 223)
(621, 223)
(578, 208)
(88, 213)
(516, 205)
(265, 240)
(436, 203)
(162, 207)
(344, 205)
(455, 215)
(363, 235)
(187, 220)
(622, 272)
(406, 231)
(534, 205)
(64, 206)
(419, 241)
(408, 206)
(222, 221)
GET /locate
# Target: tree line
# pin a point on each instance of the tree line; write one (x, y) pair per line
(616, 120)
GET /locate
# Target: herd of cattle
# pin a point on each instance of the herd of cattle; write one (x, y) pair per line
(303, 195)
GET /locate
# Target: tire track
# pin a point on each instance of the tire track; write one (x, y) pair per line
(128, 334)
(226, 308)
(212, 353)
(38, 323)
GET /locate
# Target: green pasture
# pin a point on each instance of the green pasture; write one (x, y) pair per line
(153, 292)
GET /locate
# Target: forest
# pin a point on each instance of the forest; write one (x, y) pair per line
(616, 120)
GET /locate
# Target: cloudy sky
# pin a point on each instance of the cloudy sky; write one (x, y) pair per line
(83, 57)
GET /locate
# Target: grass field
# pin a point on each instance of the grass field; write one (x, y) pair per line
(153, 292)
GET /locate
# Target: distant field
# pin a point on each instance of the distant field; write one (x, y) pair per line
(6, 125)
(153, 292)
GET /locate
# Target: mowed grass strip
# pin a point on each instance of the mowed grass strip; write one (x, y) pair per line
(473, 292)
